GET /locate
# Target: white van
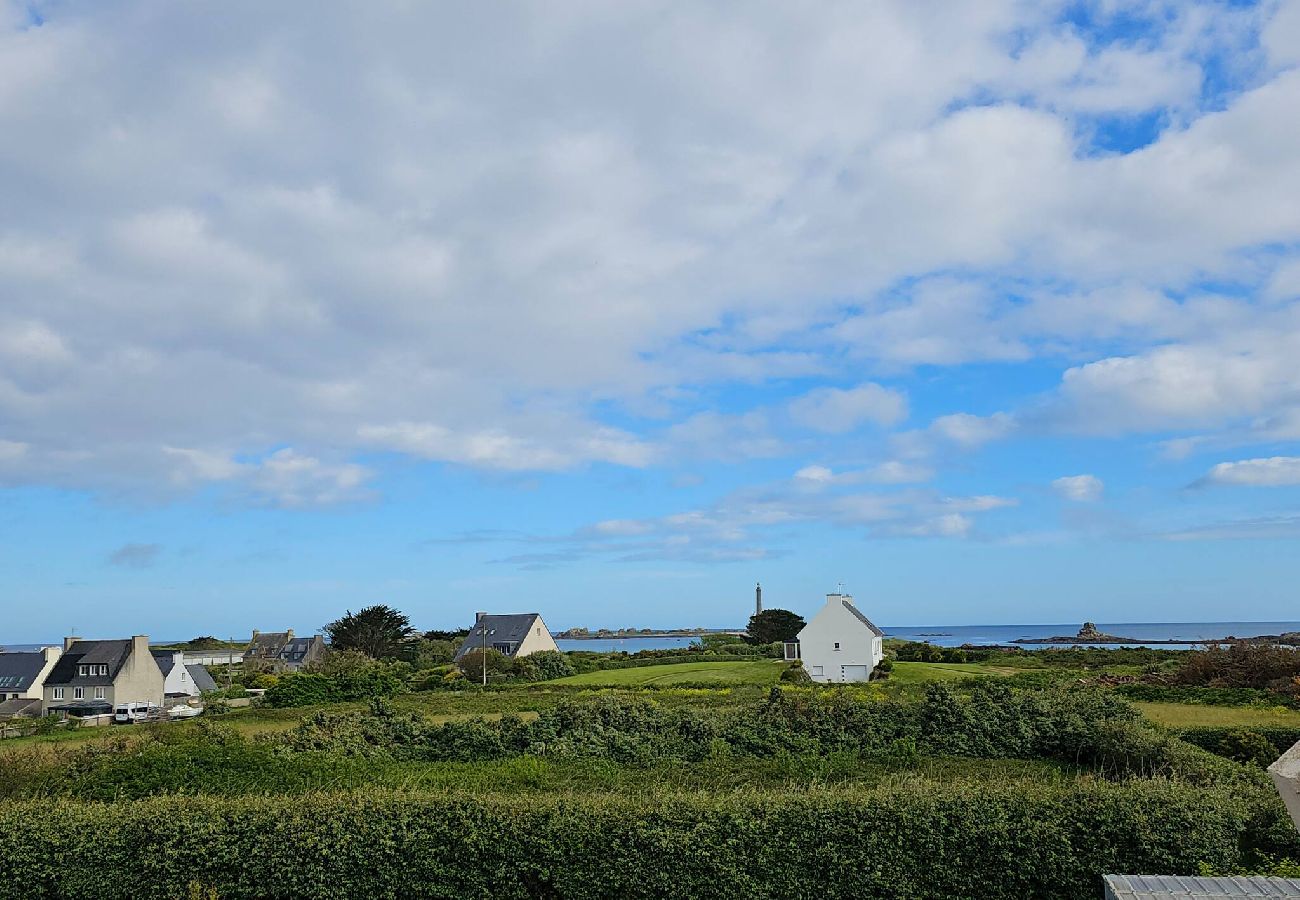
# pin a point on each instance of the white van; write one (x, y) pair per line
(128, 713)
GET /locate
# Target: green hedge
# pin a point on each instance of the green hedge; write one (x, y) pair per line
(1207, 696)
(906, 841)
(1212, 737)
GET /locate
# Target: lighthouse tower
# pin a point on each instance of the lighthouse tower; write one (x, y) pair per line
(758, 599)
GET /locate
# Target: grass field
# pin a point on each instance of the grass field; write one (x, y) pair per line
(761, 672)
(1189, 715)
(919, 672)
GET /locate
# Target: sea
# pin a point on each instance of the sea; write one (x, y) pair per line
(1187, 635)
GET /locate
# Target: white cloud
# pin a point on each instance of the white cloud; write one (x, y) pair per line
(1079, 488)
(968, 430)
(819, 474)
(1273, 471)
(492, 232)
(836, 410)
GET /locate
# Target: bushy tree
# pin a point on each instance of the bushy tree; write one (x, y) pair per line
(543, 666)
(773, 625)
(377, 631)
(473, 662)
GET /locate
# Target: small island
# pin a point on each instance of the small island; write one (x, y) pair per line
(1089, 634)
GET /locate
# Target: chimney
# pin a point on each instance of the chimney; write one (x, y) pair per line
(478, 617)
(50, 654)
(139, 646)
(178, 658)
(1286, 778)
(68, 642)
(255, 633)
(288, 635)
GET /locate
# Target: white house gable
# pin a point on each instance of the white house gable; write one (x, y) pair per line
(840, 644)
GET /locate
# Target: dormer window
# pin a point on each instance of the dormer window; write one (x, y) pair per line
(101, 670)
(83, 671)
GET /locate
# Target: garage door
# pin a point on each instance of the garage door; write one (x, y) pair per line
(855, 673)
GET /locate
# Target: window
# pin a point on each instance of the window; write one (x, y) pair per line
(58, 693)
(101, 670)
(817, 670)
(99, 693)
(78, 693)
(83, 671)
(837, 645)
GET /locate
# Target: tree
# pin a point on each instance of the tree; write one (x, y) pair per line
(377, 631)
(773, 625)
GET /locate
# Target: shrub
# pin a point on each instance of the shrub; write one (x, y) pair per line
(547, 665)
(1249, 747)
(996, 843)
(795, 673)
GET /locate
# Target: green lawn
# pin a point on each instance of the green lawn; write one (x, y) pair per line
(762, 671)
(1190, 715)
(920, 672)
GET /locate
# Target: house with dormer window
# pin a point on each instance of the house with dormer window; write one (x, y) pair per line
(516, 634)
(91, 677)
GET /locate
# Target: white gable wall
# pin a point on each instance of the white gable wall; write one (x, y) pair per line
(836, 646)
(537, 639)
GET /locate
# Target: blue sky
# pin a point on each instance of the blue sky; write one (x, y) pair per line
(611, 311)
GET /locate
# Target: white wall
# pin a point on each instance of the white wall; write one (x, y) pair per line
(836, 647)
(538, 639)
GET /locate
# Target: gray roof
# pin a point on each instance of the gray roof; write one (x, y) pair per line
(114, 654)
(299, 648)
(507, 629)
(165, 659)
(18, 671)
(22, 706)
(861, 618)
(1150, 887)
(267, 644)
(202, 678)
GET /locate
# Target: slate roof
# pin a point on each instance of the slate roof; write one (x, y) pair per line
(165, 659)
(201, 677)
(19, 670)
(506, 629)
(861, 618)
(1185, 887)
(111, 653)
(297, 649)
(267, 644)
(21, 706)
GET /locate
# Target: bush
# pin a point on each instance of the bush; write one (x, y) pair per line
(1248, 747)
(795, 673)
(545, 665)
(996, 843)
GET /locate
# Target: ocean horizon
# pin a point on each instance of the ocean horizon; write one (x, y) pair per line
(1185, 634)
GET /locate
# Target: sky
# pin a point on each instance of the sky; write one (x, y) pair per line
(988, 312)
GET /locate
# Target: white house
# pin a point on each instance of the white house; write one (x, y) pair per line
(840, 644)
(515, 635)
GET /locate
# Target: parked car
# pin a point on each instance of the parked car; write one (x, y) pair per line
(129, 713)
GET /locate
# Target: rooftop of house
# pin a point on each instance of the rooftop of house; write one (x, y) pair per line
(500, 629)
(28, 706)
(1186, 887)
(847, 601)
(113, 654)
(201, 677)
(298, 647)
(268, 643)
(18, 671)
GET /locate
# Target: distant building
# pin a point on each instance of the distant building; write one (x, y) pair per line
(1187, 887)
(518, 634)
(282, 650)
(93, 676)
(182, 679)
(22, 675)
(840, 644)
